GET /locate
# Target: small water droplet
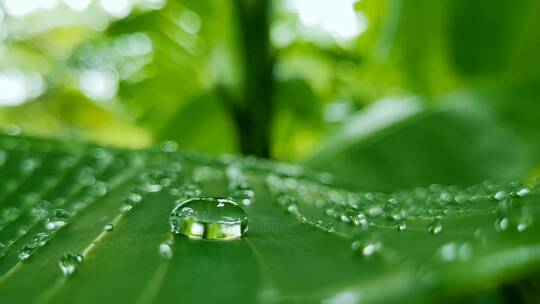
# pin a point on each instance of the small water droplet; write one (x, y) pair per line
(100, 188)
(69, 262)
(187, 211)
(26, 252)
(108, 227)
(375, 211)
(165, 250)
(133, 198)
(10, 214)
(523, 223)
(400, 225)
(523, 192)
(366, 249)
(500, 195)
(344, 218)
(435, 227)
(204, 174)
(461, 199)
(85, 176)
(169, 146)
(126, 208)
(152, 188)
(3, 250)
(464, 251)
(41, 239)
(361, 220)
(292, 208)
(502, 224)
(13, 130)
(22, 230)
(29, 165)
(209, 218)
(165, 182)
(58, 219)
(448, 252)
(43, 207)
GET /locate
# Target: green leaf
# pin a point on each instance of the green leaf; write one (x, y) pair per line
(307, 241)
(403, 143)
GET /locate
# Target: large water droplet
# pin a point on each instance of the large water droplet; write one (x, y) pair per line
(68, 263)
(209, 218)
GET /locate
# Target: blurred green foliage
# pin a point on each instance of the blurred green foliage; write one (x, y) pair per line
(139, 72)
(384, 94)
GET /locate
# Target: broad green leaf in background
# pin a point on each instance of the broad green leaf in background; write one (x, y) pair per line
(86, 224)
(463, 139)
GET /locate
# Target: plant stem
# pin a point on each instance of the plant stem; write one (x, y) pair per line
(253, 112)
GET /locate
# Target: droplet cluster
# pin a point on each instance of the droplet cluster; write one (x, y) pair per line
(324, 206)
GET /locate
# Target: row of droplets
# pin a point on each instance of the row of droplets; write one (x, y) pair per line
(58, 212)
(34, 207)
(430, 203)
(59, 215)
(151, 181)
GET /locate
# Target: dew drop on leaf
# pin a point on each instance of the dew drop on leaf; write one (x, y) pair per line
(448, 252)
(108, 227)
(126, 208)
(367, 249)
(168, 146)
(41, 239)
(69, 262)
(500, 195)
(3, 250)
(165, 250)
(100, 189)
(26, 252)
(361, 220)
(435, 227)
(502, 224)
(400, 225)
(524, 222)
(523, 192)
(10, 214)
(133, 198)
(58, 219)
(209, 218)
(375, 211)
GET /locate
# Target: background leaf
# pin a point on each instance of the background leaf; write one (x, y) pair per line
(398, 144)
